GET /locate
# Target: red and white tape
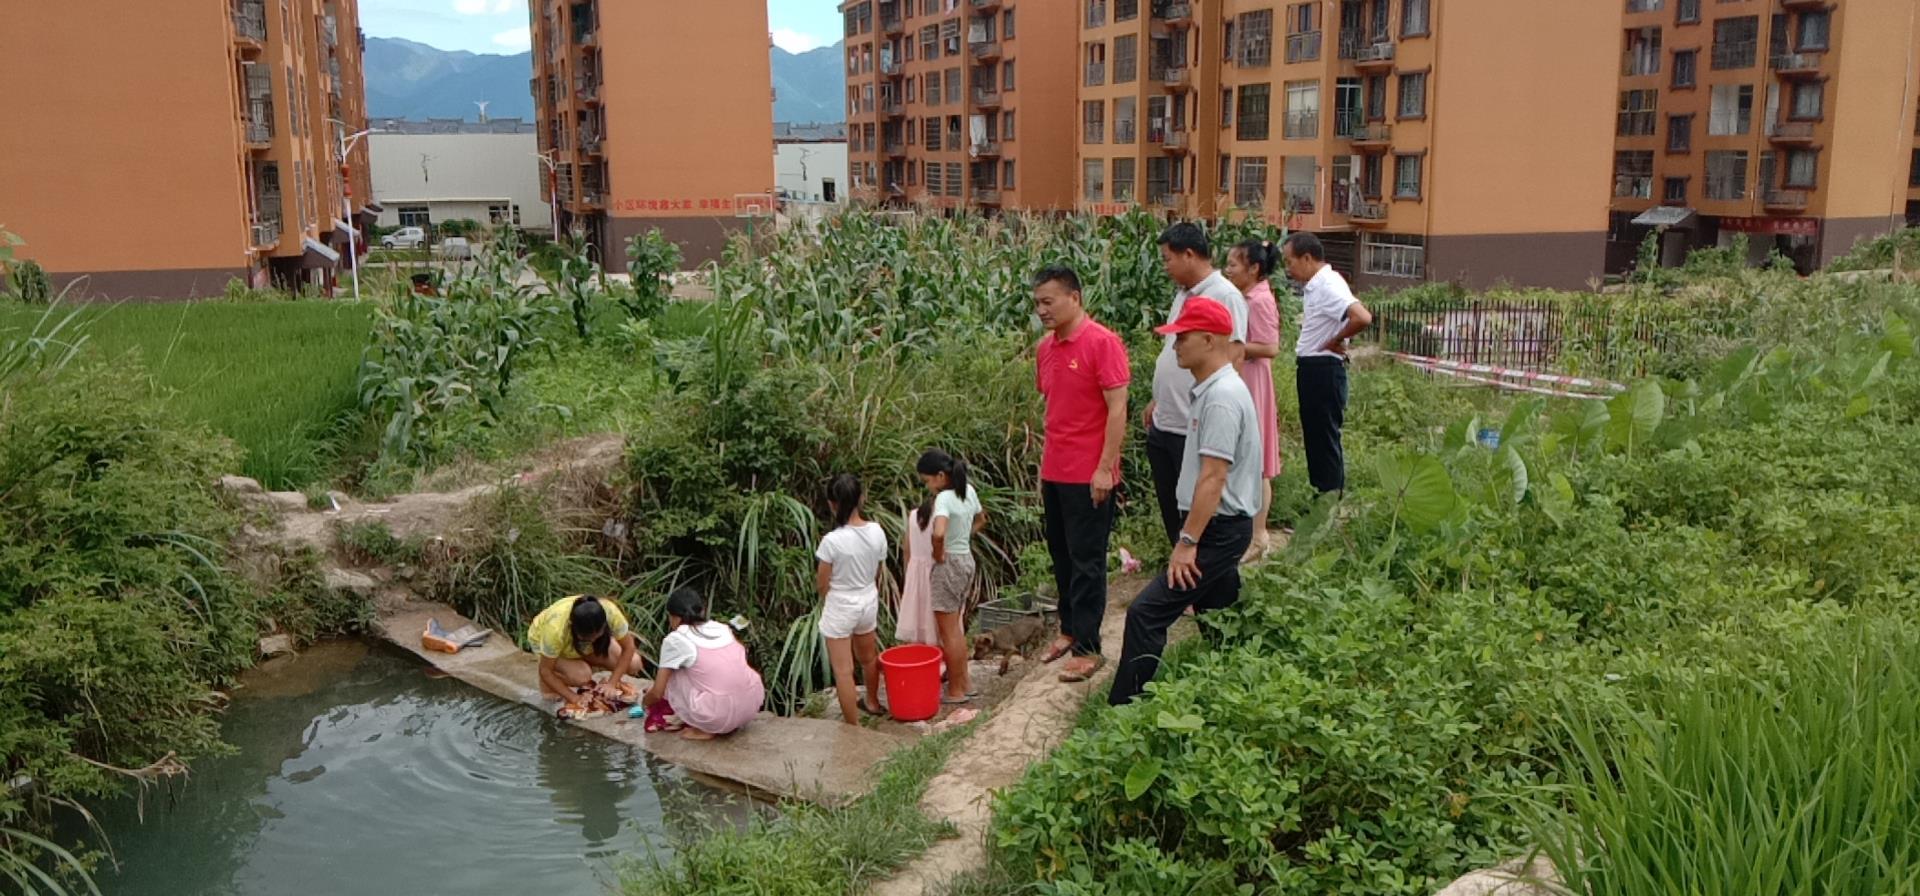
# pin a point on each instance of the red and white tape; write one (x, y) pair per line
(1504, 377)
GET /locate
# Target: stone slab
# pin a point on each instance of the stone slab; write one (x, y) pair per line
(815, 760)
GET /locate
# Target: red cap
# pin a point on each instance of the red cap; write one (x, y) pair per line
(1200, 315)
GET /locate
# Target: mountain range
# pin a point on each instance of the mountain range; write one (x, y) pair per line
(407, 79)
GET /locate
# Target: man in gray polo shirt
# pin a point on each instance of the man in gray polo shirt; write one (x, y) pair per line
(1218, 491)
(1187, 255)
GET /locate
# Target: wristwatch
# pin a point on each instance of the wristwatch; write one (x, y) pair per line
(1189, 540)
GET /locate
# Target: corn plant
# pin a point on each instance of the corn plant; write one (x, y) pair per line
(651, 260)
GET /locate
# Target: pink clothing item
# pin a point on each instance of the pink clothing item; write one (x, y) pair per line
(916, 625)
(718, 693)
(1263, 326)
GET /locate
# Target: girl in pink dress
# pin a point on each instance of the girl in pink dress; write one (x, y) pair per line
(704, 675)
(916, 622)
(1249, 265)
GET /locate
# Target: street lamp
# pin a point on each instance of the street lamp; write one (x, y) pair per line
(553, 190)
(347, 142)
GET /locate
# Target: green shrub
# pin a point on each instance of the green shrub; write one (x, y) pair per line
(29, 282)
(652, 260)
(514, 562)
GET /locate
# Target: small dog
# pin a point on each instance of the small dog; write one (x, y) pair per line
(1020, 636)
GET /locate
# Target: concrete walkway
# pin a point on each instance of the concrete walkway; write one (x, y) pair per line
(830, 763)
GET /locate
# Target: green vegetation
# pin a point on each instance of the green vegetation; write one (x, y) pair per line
(1899, 251)
(811, 850)
(277, 378)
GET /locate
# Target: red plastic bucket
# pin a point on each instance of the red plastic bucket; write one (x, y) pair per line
(912, 674)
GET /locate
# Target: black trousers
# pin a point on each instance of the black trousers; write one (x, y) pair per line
(1077, 536)
(1165, 452)
(1159, 606)
(1321, 384)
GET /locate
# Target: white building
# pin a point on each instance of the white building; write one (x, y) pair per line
(810, 163)
(442, 170)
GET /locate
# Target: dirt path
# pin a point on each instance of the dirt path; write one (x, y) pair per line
(1021, 731)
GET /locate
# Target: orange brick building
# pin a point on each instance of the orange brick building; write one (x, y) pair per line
(653, 115)
(1789, 121)
(228, 145)
(959, 103)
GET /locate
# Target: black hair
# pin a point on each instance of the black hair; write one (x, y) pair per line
(1262, 254)
(1186, 236)
(844, 494)
(587, 615)
(1306, 245)
(687, 604)
(1057, 273)
(935, 462)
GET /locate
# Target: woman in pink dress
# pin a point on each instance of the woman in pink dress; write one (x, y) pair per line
(1249, 265)
(704, 676)
(915, 618)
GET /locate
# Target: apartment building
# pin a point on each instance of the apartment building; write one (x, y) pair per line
(1789, 121)
(654, 115)
(1328, 116)
(214, 126)
(960, 103)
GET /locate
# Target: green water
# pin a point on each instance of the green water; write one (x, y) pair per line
(357, 773)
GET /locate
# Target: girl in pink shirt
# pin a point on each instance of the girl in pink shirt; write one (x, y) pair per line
(1249, 265)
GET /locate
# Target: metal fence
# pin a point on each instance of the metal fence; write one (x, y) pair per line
(1588, 336)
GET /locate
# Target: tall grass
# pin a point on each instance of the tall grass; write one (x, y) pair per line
(276, 378)
(1803, 783)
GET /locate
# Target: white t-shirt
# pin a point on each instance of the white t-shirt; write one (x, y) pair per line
(1172, 385)
(1323, 311)
(856, 553)
(681, 646)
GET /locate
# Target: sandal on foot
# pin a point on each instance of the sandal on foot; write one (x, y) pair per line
(1056, 650)
(1077, 675)
(956, 701)
(878, 713)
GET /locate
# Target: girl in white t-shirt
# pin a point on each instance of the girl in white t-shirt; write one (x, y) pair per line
(704, 680)
(848, 579)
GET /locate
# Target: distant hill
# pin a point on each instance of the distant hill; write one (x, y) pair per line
(406, 79)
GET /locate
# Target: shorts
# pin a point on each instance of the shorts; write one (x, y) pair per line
(844, 617)
(952, 582)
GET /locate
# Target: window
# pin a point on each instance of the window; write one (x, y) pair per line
(1643, 51)
(1226, 107)
(1126, 10)
(1730, 111)
(1813, 30)
(1913, 170)
(930, 43)
(934, 186)
(1252, 114)
(1006, 75)
(1406, 177)
(1726, 174)
(1643, 5)
(933, 135)
(1226, 174)
(1303, 33)
(1808, 99)
(1093, 180)
(1636, 113)
(1126, 59)
(1413, 95)
(1126, 115)
(1803, 168)
(1250, 182)
(1686, 64)
(1096, 13)
(953, 133)
(1123, 180)
(1679, 133)
(1297, 184)
(1006, 126)
(1674, 191)
(1256, 39)
(1371, 176)
(913, 132)
(953, 179)
(1006, 175)
(1393, 255)
(1096, 67)
(1633, 174)
(954, 86)
(1687, 12)
(1377, 98)
(1303, 110)
(1093, 118)
(932, 90)
(415, 216)
(1735, 41)
(1413, 18)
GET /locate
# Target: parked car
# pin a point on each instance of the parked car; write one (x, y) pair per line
(405, 238)
(456, 248)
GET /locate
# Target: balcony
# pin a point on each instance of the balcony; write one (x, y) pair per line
(259, 132)
(986, 5)
(1796, 64)
(986, 195)
(1786, 200)
(1173, 15)
(266, 230)
(1160, 194)
(1125, 131)
(1368, 213)
(250, 25)
(1791, 132)
(987, 150)
(588, 90)
(1096, 74)
(1374, 57)
(592, 198)
(892, 68)
(893, 109)
(1303, 47)
(259, 82)
(1372, 135)
(1175, 142)
(330, 31)
(985, 98)
(1804, 4)
(892, 26)
(985, 51)
(896, 149)
(592, 143)
(1177, 78)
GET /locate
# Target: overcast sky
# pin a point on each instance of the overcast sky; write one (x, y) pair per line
(500, 26)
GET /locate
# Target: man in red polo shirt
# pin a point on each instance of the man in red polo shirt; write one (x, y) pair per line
(1083, 372)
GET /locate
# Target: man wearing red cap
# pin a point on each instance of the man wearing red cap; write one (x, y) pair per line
(1219, 491)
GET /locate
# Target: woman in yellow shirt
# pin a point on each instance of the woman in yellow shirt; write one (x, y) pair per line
(577, 635)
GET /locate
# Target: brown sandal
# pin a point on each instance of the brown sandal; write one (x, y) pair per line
(1075, 676)
(1059, 648)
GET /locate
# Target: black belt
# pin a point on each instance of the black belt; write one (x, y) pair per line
(1318, 360)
